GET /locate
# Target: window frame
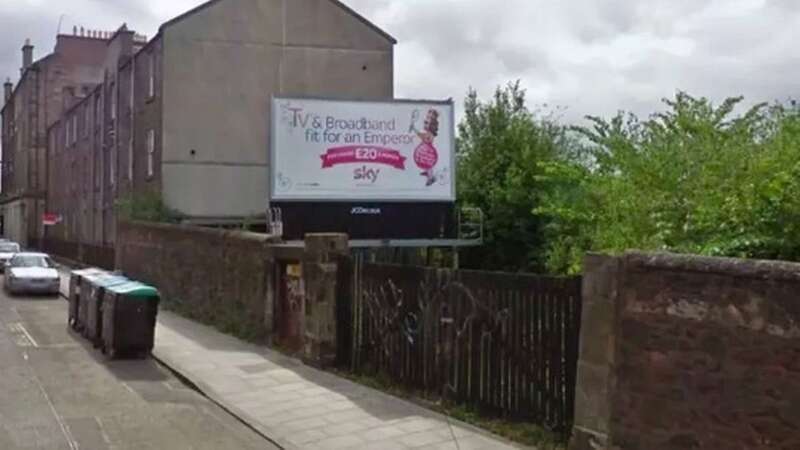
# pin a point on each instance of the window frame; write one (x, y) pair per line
(113, 102)
(112, 173)
(151, 74)
(87, 119)
(151, 150)
(130, 159)
(98, 111)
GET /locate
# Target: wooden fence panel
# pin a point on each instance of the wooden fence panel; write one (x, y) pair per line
(505, 343)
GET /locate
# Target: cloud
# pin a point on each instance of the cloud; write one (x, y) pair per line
(589, 56)
(595, 57)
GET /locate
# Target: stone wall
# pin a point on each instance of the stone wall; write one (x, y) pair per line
(681, 352)
(222, 278)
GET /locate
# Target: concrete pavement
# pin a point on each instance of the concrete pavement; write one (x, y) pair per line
(56, 392)
(299, 406)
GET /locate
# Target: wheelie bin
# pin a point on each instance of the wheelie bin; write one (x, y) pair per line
(84, 292)
(129, 319)
(76, 279)
(92, 329)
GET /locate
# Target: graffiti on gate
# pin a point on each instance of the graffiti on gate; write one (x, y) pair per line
(504, 342)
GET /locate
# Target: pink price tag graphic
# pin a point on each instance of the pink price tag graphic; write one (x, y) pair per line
(426, 156)
(363, 154)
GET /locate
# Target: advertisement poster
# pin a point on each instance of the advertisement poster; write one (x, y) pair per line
(326, 150)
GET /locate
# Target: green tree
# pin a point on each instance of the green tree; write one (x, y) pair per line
(697, 178)
(501, 146)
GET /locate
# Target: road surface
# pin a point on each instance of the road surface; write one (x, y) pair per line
(56, 392)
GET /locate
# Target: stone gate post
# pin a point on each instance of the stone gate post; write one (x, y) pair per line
(320, 273)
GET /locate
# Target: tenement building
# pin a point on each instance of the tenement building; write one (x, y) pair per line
(30, 107)
(181, 119)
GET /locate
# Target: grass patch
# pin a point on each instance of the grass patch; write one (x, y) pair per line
(523, 432)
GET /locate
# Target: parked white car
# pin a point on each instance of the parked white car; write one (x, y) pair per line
(32, 273)
(7, 250)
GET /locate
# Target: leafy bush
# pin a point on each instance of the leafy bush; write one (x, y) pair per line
(697, 178)
(501, 146)
(146, 206)
(700, 178)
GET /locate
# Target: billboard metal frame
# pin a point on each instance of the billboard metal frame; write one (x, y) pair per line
(397, 243)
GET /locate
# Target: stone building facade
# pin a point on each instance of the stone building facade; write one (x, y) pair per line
(29, 108)
(185, 116)
(90, 145)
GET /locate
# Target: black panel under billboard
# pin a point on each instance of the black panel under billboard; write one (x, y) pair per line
(370, 220)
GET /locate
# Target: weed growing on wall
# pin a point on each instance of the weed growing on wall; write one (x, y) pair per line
(225, 320)
(146, 206)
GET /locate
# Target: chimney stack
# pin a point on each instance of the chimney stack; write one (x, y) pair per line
(8, 89)
(27, 54)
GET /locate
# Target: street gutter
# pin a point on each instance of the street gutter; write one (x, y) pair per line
(211, 395)
(199, 386)
(239, 415)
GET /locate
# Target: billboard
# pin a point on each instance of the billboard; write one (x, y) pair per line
(333, 150)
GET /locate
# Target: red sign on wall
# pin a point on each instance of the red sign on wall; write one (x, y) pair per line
(49, 219)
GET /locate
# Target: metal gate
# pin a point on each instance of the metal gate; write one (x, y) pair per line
(290, 306)
(344, 311)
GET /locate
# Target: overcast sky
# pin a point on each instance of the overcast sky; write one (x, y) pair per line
(589, 56)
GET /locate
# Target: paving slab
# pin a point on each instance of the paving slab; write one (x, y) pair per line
(301, 407)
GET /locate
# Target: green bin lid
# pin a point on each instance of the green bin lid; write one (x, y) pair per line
(134, 289)
(107, 280)
(94, 276)
(89, 272)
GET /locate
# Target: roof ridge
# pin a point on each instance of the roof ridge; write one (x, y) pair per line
(338, 3)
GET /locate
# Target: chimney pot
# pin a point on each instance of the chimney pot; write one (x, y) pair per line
(82, 32)
(27, 55)
(8, 89)
(74, 30)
